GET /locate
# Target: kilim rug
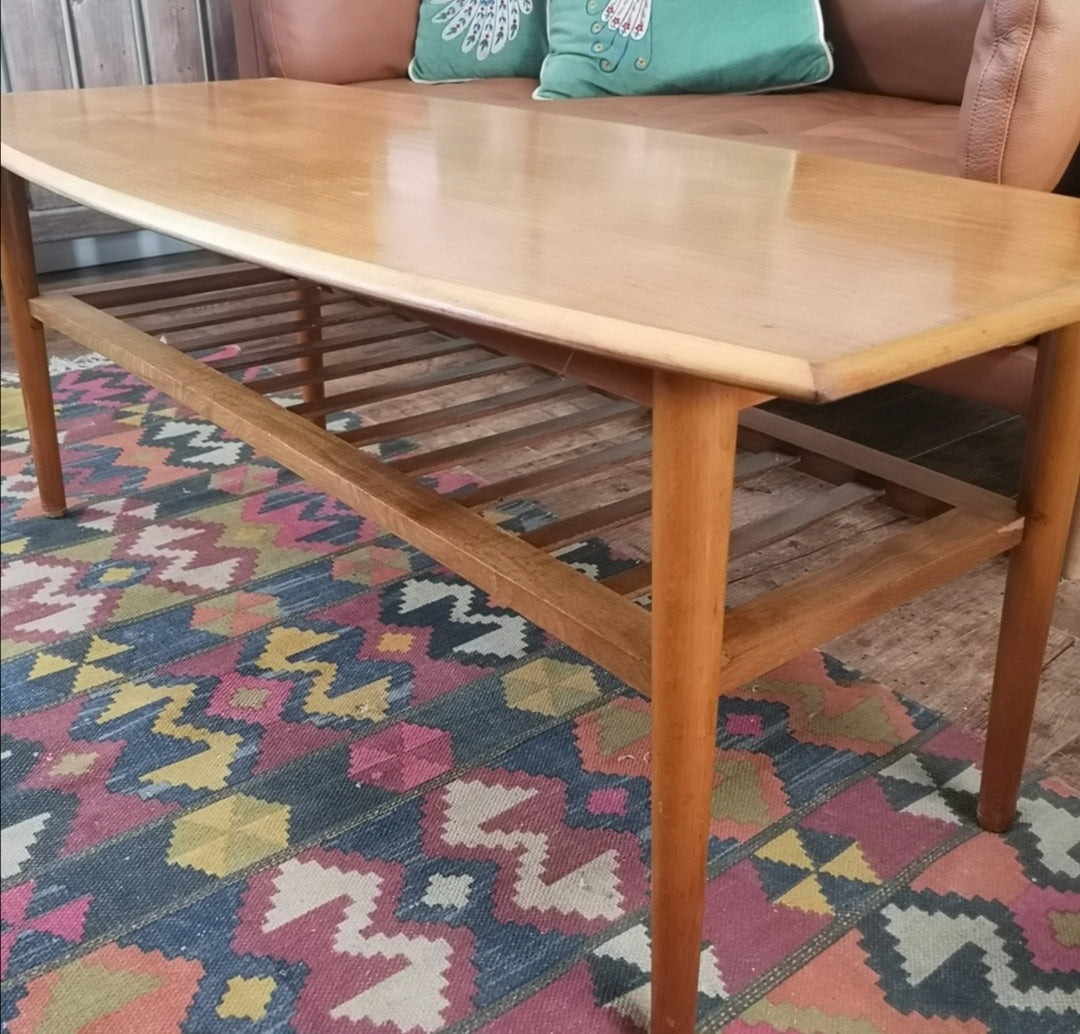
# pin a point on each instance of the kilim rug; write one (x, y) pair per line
(268, 769)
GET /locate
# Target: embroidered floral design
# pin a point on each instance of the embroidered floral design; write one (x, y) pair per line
(486, 25)
(620, 25)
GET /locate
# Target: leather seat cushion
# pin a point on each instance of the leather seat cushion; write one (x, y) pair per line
(866, 127)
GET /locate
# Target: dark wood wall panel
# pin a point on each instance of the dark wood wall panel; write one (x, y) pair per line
(107, 51)
(59, 44)
(36, 54)
(174, 41)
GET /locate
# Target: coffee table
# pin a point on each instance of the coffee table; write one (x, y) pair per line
(693, 276)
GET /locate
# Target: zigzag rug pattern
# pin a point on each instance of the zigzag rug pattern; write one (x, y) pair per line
(267, 769)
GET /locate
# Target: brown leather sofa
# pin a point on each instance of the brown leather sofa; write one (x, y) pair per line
(986, 89)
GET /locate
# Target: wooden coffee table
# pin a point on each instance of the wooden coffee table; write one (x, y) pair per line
(690, 275)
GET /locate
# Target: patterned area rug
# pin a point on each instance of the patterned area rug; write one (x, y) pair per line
(268, 769)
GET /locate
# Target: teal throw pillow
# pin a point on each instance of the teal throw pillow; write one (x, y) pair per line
(601, 47)
(458, 40)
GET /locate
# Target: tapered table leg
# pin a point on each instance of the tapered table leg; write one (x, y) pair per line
(28, 341)
(694, 429)
(1047, 496)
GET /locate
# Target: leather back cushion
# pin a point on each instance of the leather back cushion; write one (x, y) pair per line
(337, 41)
(1020, 120)
(919, 49)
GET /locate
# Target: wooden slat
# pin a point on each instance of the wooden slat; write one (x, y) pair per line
(797, 617)
(877, 465)
(198, 299)
(200, 342)
(434, 419)
(175, 285)
(176, 323)
(638, 580)
(571, 606)
(411, 386)
(792, 519)
(564, 473)
(380, 359)
(451, 455)
(582, 525)
(286, 350)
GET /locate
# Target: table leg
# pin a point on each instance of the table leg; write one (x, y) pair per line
(311, 311)
(1047, 496)
(28, 341)
(694, 430)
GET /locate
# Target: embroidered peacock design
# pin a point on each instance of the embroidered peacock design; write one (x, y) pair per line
(486, 25)
(620, 25)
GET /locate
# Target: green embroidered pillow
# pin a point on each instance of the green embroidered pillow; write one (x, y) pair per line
(478, 39)
(601, 47)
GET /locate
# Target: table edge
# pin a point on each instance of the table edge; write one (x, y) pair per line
(612, 338)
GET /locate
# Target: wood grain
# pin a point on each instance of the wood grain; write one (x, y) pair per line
(180, 283)
(35, 46)
(937, 649)
(869, 582)
(106, 43)
(880, 467)
(174, 41)
(833, 251)
(694, 434)
(463, 413)
(567, 603)
(60, 44)
(1047, 497)
(452, 455)
(28, 339)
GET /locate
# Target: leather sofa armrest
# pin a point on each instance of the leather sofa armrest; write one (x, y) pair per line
(1020, 116)
(329, 41)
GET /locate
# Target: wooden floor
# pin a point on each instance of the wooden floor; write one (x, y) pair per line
(938, 649)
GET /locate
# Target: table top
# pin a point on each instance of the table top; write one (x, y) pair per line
(796, 274)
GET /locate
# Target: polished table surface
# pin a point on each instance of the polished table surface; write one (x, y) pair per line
(722, 266)
(794, 274)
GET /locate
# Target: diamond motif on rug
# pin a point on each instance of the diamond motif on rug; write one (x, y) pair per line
(401, 758)
(266, 768)
(229, 835)
(550, 687)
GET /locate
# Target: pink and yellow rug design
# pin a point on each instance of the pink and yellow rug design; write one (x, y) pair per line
(267, 769)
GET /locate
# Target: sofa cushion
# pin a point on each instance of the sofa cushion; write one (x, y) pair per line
(603, 47)
(887, 130)
(337, 41)
(458, 40)
(918, 49)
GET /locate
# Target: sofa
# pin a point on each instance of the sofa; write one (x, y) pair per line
(985, 89)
